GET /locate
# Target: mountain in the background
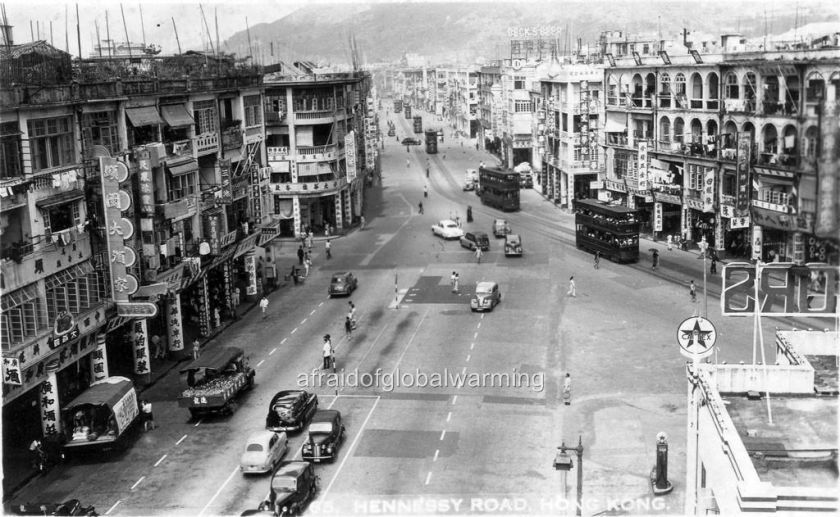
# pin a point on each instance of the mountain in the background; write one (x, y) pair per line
(461, 32)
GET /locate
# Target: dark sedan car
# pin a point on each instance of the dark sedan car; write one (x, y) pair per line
(342, 283)
(290, 410)
(293, 486)
(410, 141)
(326, 432)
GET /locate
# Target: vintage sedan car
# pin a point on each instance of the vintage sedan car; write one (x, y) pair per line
(473, 240)
(263, 451)
(468, 186)
(448, 229)
(293, 487)
(290, 410)
(500, 227)
(342, 283)
(71, 507)
(391, 132)
(410, 141)
(487, 296)
(513, 245)
(325, 434)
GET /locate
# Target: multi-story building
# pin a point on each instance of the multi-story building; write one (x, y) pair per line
(762, 439)
(489, 86)
(567, 151)
(518, 77)
(316, 128)
(725, 146)
(132, 206)
(457, 91)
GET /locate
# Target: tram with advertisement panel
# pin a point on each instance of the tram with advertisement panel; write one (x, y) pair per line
(499, 188)
(610, 229)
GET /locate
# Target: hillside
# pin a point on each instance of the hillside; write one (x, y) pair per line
(446, 32)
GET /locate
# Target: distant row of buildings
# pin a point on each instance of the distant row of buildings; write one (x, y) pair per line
(138, 196)
(719, 140)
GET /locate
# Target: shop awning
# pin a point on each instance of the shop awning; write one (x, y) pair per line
(176, 115)
(68, 275)
(778, 69)
(182, 167)
(106, 392)
(616, 123)
(60, 199)
(19, 297)
(145, 116)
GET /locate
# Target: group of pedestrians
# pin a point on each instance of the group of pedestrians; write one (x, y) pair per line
(454, 282)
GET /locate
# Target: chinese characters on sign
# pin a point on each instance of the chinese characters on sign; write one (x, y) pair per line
(173, 323)
(643, 166)
(657, 217)
(50, 422)
(11, 371)
(147, 200)
(251, 270)
(708, 189)
(204, 308)
(99, 358)
(119, 229)
(350, 154)
(742, 173)
(140, 342)
(226, 195)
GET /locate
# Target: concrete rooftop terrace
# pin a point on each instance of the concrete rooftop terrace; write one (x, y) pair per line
(799, 448)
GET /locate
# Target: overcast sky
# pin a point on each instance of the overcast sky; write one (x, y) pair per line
(157, 20)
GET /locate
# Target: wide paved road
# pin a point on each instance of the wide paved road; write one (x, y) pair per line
(483, 447)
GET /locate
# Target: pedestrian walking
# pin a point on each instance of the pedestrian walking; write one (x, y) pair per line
(196, 348)
(455, 286)
(348, 327)
(306, 265)
(158, 353)
(478, 253)
(452, 281)
(327, 248)
(407, 160)
(420, 207)
(670, 242)
(148, 416)
(309, 241)
(263, 306)
(362, 224)
(327, 351)
(597, 259)
(713, 266)
(567, 389)
(655, 261)
(352, 313)
(692, 291)
(458, 220)
(425, 191)
(572, 291)
(300, 255)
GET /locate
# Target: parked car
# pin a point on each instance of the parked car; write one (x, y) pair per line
(473, 240)
(500, 228)
(293, 487)
(469, 186)
(290, 410)
(513, 245)
(342, 283)
(487, 296)
(410, 141)
(263, 451)
(448, 229)
(526, 181)
(71, 507)
(325, 434)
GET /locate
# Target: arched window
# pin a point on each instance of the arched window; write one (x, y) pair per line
(730, 86)
(769, 140)
(665, 84)
(811, 139)
(679, 84)
(789, 143)
(712, 93)
(637, 89)
(696, 131)
(711, 131)
(729, 140)
(664, 130)
(679, 130)
(696, 86)
(815, 87)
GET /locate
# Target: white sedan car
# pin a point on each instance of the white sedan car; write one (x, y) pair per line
(448, 229)
(263, 451)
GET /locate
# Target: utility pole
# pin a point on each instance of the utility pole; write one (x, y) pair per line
(176, 35)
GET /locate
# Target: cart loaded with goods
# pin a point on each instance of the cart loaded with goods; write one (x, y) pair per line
(214, 380)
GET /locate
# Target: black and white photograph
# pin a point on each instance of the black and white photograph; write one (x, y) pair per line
(358, 258)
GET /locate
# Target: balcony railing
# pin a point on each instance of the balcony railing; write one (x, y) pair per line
(29, 260)
(232, 139)
(312, 115)
(206, 143)
(780, 160)
(616, 139)
(180, 148)
(272, 117)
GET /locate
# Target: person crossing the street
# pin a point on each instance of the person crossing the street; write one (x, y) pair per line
(692, 291)
(327, 352)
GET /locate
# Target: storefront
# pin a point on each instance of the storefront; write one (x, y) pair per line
(735, 227)
(667, 212)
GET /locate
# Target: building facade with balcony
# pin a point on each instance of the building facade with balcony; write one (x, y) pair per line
(489, 85)
(724, 146)
(567, 153)
(132, 207)
(518, 78)
(315, 131)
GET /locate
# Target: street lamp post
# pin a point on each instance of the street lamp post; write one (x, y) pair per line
(564, 463)
(703, 245)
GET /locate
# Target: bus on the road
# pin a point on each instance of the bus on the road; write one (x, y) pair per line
(613, 230)
(499, 188)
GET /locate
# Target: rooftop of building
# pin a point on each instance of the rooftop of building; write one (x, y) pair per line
(799, 447)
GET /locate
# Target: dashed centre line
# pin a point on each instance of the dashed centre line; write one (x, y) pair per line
(313, 312)
(454, 399)
(260, 363)
(448, 416)
(472, 345)
(160, 460)
(303, 321)
(478, 326)
(138, 482)
(294, 330)
(283, 340)
(464, 370)
(272, 351)
(111, 509)
(181, 440)
(442, 434)
(197, 423)
(437, 451)
(468, 357)
(475, 336)
(428, 477)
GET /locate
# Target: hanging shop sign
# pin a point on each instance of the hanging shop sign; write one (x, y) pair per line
(350, 154)
(727, 211)
(657, 217)
(757, 242)
(137, 310)
(709, 189)
(11, 371)
(147, 197)
(803, 222)
(50, 422)
(251, 271)
(615, 186)
(643, 166)
(204, 308)
(828, 197)
(99, 358)
(65, 330)
(140, 343)
(173, 323)
(268, 232)
(226, 195)
(719, 240)
(118, 228)
(742, 173)
(736, 223)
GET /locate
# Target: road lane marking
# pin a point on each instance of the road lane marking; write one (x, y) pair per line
(112, 508)
(219, 491)
(293, 330)
(197, 423)
(472, 345)
(181, 440)
(272, 351)
(454, 399)
(437, 451)
(475, 336)
(428, 477)
(313, 312)
(304, 321)
(464, 370)
(468, 358)
(482, 316)
(478, 326)
(448, 416)
(138, 482)
(320, 304)
(442, 434)
(283, 340)
(352, 445)
(160, 460)
(260, 363)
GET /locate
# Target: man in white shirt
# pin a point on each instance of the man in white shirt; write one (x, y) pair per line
(263, 305)
(328, 353)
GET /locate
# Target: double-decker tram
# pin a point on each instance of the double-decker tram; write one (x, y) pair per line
(499, 188)
(612, 230)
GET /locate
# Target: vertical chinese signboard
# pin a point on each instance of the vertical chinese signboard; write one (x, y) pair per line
(350, 155)
(100, 358)
(757, 242)
(50, 421)
(118, 229)
(251, 270)
(173, 323)
(204, 308)
(226, 195)
(147, 200)
(643, 167)
(828, 186)
(140, 342)
(708, 189)
(657, 217)
(742, 173)
(11, 371)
